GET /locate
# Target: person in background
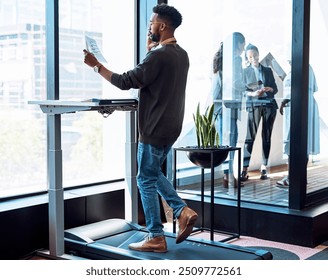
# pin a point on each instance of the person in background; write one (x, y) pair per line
(260, 105)
(237, 87)
(313, 119)
(217, 88)
(161, 78)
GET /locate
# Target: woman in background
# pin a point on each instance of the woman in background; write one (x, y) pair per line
(260, 105)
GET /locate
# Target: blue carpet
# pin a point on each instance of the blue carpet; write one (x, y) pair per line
(323, 255)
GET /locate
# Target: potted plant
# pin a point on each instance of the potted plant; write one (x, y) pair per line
(207, 139)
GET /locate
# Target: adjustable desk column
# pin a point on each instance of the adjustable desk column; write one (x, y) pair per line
(55, 186)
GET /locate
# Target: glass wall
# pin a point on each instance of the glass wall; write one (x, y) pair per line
(93, 147)
(202, 31)
(91, 143)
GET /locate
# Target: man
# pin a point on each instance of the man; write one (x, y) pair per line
(161, 78)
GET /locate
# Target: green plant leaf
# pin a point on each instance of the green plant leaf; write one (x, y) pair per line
(206, 133)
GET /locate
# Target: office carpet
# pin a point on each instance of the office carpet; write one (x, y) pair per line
(279, 251)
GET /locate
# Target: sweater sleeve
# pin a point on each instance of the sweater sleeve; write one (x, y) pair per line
(141, 76)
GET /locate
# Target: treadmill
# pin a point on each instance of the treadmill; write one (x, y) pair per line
(109, 239)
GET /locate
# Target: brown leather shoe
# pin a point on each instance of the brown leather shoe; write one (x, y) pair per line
(156, 244)
(186, 221)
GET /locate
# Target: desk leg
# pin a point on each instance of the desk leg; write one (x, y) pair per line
(55, 187)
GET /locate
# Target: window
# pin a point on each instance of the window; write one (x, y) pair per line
(93, 147)
(216, 21)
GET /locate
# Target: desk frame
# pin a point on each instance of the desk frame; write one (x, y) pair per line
(54, 109)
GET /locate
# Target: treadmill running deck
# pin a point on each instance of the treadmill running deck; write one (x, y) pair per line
(109, 239)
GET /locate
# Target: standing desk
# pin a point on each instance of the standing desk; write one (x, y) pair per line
(54, 109)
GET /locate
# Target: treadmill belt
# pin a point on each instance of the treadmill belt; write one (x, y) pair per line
(190, 249)
(110, 240)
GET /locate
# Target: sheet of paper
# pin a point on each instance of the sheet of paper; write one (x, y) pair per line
(270, 61)
(92, 46)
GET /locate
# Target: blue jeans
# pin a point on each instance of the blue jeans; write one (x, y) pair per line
(151, 182)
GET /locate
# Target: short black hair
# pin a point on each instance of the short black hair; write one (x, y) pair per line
(169, 13)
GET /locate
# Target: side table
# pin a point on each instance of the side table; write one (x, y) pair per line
(232, 235)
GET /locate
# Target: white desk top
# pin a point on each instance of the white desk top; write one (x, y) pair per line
(71, 106)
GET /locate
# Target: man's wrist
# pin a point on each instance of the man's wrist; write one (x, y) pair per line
(97, 67)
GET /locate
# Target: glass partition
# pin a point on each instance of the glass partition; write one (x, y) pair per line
(203, 30)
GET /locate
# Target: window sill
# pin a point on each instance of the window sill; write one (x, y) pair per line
(38, 199)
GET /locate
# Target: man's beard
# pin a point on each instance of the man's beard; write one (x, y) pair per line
(155, 38)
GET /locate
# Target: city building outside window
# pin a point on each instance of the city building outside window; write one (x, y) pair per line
(93, 146)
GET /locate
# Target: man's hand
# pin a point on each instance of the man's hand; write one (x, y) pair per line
(90, 59)
(150, 44)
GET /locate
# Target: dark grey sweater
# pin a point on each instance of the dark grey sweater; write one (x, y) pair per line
(161, 78)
